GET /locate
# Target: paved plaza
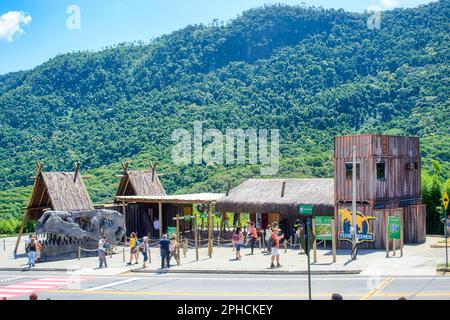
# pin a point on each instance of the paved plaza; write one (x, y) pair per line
(417, 260)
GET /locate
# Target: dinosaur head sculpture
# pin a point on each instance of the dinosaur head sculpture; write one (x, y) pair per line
(62, 232)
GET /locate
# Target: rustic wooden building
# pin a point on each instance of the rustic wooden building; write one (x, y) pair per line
(139, 217)
(269, 200)
(388, 183)
(61, 191)
(141, 211)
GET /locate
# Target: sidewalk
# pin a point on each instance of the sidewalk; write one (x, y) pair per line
(417, 260)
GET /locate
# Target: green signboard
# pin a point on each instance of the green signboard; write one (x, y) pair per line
(394, 227)
(305, 209)
(171, 231)
(323, 228)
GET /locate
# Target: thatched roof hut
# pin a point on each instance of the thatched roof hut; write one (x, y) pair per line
(58, 191)
(140, 183)
(279, 195)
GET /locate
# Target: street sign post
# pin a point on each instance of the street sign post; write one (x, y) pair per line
(305, 209)
(307, 251)
(324, 231)
(445, 201)
(394, 227)
(323, 228)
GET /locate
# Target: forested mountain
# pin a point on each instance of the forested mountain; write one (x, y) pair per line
(310, 72)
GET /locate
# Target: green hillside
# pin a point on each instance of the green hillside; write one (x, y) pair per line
(311, 73)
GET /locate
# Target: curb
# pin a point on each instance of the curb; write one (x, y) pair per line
(40, 269)
(235, 272)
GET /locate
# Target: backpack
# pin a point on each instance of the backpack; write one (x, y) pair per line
(271, 242)
(235, 237)
(268, 235)
(136, 244)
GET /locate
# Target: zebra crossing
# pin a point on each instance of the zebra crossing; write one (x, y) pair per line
(42, 284)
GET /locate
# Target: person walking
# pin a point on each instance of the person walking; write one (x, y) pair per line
(275, 244)
(301, 237)
(296, 226)
(173, 249)
(31, 250)
(38, 249)
(144, 248)
(225, 220)
(165, 252)
(101, 248)
(267, 238)
(252, 234)
(238, 240)
(134, 245)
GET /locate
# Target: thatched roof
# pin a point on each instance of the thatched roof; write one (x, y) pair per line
(58, 191)
(265, 196)
(176, 198)
(140, 183)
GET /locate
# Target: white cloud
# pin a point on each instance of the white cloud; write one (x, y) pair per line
(390, 4)
(11, 23)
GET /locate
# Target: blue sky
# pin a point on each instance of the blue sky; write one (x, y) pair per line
(33, 31)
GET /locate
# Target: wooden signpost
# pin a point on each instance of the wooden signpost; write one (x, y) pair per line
(324, 229)
(178, 218)
(394, 231)
(445, 201)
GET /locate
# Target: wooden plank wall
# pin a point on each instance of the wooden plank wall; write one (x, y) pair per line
(380, 226)
(415, 224)
(395, 151)
(342, 154)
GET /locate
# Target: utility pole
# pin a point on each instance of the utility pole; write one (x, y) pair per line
(354, 242)
(307, 236)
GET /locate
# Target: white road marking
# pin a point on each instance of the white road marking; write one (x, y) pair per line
(111, 284)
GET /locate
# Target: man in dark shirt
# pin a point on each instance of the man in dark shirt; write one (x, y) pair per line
(165, 252)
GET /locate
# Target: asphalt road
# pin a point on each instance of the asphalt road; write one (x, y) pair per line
(61, 286)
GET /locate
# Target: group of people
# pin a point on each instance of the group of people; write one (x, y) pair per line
(272, 238)
(33, 247)
(169, 248)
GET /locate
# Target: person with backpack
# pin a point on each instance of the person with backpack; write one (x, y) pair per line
(274, 243)
(173, 249)
(165, 251)
(238, 240)
(144, 248)
(134, 245)
(102, 250)
(252, 235)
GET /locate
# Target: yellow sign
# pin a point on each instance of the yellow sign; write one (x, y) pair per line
(445, 200)
(363, 233)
